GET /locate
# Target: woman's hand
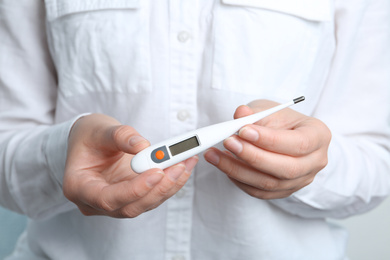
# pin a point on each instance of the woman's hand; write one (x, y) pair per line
(276, 156)
(98, 177)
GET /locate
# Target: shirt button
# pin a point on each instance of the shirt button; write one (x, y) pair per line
(178, 257)
(183, 36)
(183, 115)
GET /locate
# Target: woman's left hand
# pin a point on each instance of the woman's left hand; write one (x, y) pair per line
(276, 156)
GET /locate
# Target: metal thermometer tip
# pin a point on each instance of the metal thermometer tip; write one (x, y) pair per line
(299, 99)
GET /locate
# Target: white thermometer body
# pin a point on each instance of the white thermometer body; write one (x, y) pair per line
(179, 148)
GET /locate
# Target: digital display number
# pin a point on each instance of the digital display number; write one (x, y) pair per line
(183, 146)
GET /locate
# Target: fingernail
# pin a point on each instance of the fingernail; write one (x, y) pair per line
(249, 134)
(134, 140)
(152, 180)
(190, 163)
(176, 171)
(233, 145)
(212, 157)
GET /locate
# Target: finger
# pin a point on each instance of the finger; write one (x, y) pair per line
(287, 131)
(281, 119)
(126, 139)
(263, 194)
(277, 165)
(174, 175)
(271, 186)
(179, 185)
(243, 111)
(110, 197)
(263, 181)
(89, 211)
(163, 190)
(190, 164)
(300, 141)
(241, 172)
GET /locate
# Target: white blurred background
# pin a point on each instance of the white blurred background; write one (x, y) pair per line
(369, 234)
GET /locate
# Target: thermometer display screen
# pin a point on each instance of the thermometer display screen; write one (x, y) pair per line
(184, 146)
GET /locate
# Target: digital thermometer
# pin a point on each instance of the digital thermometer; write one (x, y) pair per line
(182, 147)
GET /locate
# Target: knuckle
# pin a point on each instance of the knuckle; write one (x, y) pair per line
(163, 191)
(272, 140)
(308, 181)
(255, 193)
(267, 196)
(154, 206)
(182, 180)
(270, 184)
(325, 133)
(259, 194)
(304, 145)
(323, 162)
(85, 212)
(130, 212)
(102, 204)
(68, 189)
(120, 132)
(275, 139)
(135, 193)
(328, 135)
(253, 158)
(231, 169)
(68, 193)
(293, 171)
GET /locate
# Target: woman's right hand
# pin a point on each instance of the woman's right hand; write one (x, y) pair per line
(98, 177)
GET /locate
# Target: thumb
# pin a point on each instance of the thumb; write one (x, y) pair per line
(126, 139)
(242, 111)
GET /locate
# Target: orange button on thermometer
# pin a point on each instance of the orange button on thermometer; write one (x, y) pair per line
(160, 155)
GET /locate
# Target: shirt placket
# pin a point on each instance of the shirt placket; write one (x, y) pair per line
(183, 118)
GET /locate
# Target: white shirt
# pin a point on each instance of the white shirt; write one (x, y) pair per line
(167, 67)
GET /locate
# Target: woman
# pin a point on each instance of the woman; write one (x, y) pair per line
(85, 85)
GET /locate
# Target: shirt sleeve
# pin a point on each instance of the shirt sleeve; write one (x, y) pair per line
(32, 147)
(356, 107)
